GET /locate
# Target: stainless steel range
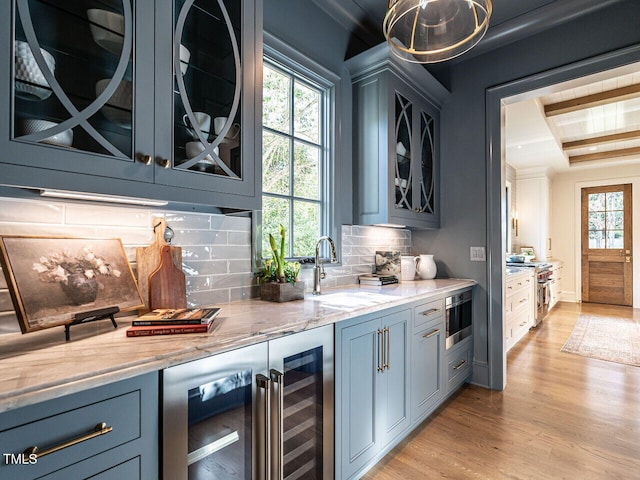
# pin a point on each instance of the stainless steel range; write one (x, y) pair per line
(543, 275)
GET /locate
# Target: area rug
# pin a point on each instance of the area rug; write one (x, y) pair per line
(606, 338)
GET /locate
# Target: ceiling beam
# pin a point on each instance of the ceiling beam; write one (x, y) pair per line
(595, 100)
(601, 140)
(625, 152)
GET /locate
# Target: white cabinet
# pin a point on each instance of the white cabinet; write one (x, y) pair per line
(555, 283)
(533, 202)
(519, 308)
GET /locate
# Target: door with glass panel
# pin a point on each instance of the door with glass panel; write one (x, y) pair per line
(414, 165)
(301, 369)
(607, 245)
(258, 412)
(77, 91)
(206, 58)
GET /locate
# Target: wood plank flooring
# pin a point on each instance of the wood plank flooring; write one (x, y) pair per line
(562, 416)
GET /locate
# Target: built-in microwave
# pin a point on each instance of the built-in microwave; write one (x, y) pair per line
(458, 308)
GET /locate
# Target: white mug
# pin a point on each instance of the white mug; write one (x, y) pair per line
(203, 119)
(220, 122)
(194, 149)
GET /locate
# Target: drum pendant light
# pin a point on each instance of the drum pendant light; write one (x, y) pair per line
(429, 31)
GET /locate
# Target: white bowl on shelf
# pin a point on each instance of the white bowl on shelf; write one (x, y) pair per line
(28, 75)
(118, 107)
(107, 29)
(35, 125)
(194, 149)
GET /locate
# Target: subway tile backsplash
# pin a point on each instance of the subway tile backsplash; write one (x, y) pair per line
(216, 249)
(359, 246)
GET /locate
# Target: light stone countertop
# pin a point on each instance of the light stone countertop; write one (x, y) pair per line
(39, 366)
(513, 272)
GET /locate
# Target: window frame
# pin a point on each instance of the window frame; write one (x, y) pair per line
(307, 71)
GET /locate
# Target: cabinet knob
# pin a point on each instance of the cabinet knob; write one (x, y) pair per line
(165, 163)
(147, 159)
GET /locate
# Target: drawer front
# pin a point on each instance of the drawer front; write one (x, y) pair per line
(127, 470)
(513, 285)
(427, 312)
(458, 366)
(519, 300)
(73, 430)
(522, 322)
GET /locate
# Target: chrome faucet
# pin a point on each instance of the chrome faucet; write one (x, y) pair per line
(318, 268)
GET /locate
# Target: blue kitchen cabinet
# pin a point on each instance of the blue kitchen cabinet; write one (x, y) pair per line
(427, 360)
(108, 432)
(372, 388)
(152, 99)
(396, 140)
(458, 364)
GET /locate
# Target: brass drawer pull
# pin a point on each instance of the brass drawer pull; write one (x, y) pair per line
(431, 311)
(100, 429)
(460, 365)
(431, 334)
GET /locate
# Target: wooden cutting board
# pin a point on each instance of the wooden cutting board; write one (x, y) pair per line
(167, 284)
(148, 259)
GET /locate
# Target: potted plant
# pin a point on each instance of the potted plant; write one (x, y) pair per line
(278, 278)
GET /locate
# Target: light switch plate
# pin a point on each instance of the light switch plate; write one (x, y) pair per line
(477, 254)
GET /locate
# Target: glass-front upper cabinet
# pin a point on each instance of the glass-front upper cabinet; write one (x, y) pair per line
(73, 83)
(415, 159)
(135, 96)
(212, 104)
(397, 119)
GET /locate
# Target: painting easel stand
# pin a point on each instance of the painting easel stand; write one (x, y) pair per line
(91, 316)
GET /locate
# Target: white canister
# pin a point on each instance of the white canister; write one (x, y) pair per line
(426, 268)
(408, 267)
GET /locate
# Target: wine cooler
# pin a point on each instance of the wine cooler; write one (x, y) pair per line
(263, 412)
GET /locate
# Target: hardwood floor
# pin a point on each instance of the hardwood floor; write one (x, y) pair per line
(562, 416)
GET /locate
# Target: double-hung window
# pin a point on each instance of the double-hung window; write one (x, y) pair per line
(295, 156)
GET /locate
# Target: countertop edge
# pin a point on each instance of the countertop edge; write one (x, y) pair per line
(187, 348)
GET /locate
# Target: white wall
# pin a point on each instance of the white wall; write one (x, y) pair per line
(565, 222)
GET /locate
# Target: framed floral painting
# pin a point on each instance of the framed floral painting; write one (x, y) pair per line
(51, 279)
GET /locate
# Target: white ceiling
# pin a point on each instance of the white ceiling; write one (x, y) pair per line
(534, 140)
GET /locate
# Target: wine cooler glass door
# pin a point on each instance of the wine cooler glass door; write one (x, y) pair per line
(302, 406)
(208, 416)
(220, 426)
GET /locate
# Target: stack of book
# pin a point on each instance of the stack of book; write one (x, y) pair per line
(377, 279)
(164, 321)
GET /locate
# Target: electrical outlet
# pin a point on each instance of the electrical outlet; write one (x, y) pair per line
(477, 254)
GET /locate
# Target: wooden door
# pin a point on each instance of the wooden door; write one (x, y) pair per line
(606, 245)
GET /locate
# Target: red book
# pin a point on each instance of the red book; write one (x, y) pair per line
(145, 331)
